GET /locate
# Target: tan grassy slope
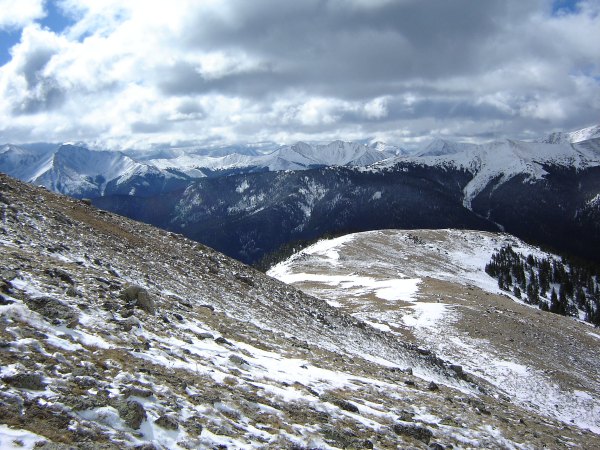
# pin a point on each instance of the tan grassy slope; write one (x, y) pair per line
(447, 303)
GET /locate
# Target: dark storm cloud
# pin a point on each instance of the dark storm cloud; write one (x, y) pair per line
(327, 42)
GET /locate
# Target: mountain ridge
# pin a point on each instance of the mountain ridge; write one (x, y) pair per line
(120, 335)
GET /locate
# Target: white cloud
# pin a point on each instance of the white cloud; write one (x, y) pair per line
(19, 13)
(139, 73)
(376, 108)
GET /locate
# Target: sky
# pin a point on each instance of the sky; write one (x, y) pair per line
(139, 74)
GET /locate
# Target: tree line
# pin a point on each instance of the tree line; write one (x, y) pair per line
(556, 285)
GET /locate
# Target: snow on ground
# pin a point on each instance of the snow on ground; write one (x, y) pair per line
(343, 270)
(15, 439)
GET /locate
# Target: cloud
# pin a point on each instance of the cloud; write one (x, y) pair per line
(138, 74)
(19, 13)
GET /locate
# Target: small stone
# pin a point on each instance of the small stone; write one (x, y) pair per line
(405, 416)
(4, 301)
(137, 392)
(141, 298)
(340, 403)
(222, 341)
(61, 274)
(414, 431)
(436, 446)
(457, 369)
(432, 386)
(146, 446)
(167, 422)
(72, 292)
(204, 336)
(238, 360)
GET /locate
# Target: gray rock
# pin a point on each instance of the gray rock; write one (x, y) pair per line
(52, 309)
(457, 369)
(32, 381)
(167, 422)
(433, 386)
(146, 446)
(194, 425)
(414, 431)
(61, 274)
(132, 412)
(137, 392)
(222, 341)
(236, 359)
(405, 416)
(340, 403)
(140, 297)
(4, 286)
(204, 336)
(4, 300)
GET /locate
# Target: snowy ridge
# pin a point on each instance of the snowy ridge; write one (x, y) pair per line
(572, 137)
(499, 161)
(474, 324)
(299, 156)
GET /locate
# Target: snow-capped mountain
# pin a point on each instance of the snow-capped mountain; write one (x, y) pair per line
(299, 156)
(501, 161)
(545, 192)
(76, 171)
(118, 335)
(250, 205)
(573, 137)
(441, 147)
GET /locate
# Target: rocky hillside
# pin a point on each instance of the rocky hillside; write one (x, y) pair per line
(115, 334)
(430, 287)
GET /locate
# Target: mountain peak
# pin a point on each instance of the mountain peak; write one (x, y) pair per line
(572, 137)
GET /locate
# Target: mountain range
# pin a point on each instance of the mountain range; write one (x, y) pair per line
(116, 334)
(250, 205)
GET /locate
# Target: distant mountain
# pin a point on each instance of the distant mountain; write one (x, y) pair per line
(572, 137)
(441, 147)
(79, 172)
(501, 161)
(299, 156)
(542, 192)
(248, 205)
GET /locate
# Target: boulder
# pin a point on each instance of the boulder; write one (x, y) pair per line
(32, 381)
(132, 412)
(140, 298)
(167, 422)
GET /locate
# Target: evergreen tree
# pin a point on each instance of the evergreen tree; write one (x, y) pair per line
(517, 292)
(554, 306)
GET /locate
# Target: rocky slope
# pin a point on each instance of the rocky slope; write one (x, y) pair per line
(430, 287)
(115, 334)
